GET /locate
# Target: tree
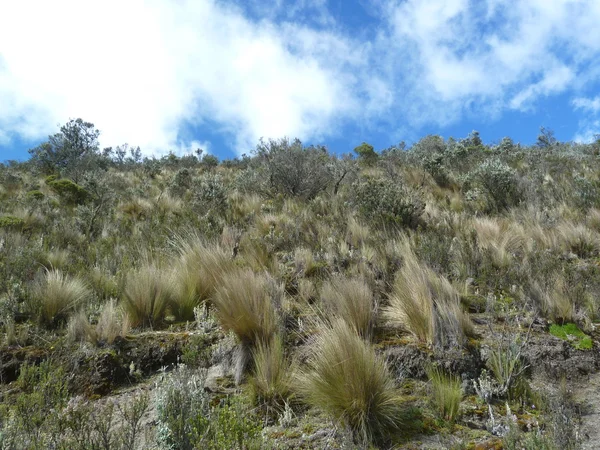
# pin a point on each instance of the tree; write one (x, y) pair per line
(366, 154)
(546, 138)
(71, 149)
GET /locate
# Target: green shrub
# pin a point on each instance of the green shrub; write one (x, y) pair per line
(188, 420)
(70, 192)
(348, 380)
(499, 182)
(570, 332)
(35, 195)
(295, 170)
(11, 223)
(386, 202)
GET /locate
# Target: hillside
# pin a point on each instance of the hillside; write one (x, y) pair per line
(442, 295)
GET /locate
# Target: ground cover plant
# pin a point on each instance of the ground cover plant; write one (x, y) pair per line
(435, 294)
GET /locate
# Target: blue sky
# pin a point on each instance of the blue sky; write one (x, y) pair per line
(175, 75)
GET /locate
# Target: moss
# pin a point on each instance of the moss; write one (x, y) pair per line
(570, 332)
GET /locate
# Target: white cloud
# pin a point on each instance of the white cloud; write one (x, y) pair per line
(139, 69)
(587, 104)
(482, 55)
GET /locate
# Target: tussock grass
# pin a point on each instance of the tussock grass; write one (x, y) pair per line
(79, 328)
(148, 292)
(348, 380)
(446, 393)
(427, 305)
(112, 323)
(56, 295)
(273, 374)
(197, 273)
(243, 305)
(352, 301)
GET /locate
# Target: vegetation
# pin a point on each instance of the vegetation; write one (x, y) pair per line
(317, 300)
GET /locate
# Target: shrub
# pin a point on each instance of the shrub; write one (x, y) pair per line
(386, 202)
(347, 379)
(499, 182)
(427, 305)
(293, 169)
(352, 301)
(55, 295)
(148, 292)
(446, 390)
(186, 419)
(69, 191)
(11, 223)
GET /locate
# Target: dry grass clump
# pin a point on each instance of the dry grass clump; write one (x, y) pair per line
(273, 374)
(112, 323)
(348, 380)
(427, 305)
(351, 299)
(244, 306)
(553, 301)
(148, 292)
(79, 328)
(197, 274)
(57, 294)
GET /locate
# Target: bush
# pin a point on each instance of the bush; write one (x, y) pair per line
(55, 295)
(293, 169)
(426, 305)
(499, 182)
(148, 292)
(347, 379)
(11, 223)
(352, 301)
(382, 201)
(186, 419)
(70, 192)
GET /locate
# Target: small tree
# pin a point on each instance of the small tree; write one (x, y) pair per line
(366, 154)
(73, 150)
(295, 170)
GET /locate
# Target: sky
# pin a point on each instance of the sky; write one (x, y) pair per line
(177, 75)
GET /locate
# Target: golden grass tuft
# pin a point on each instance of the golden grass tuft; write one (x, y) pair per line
(243, 305)
(197, 273)
(352, 301)
(446, 393)
(273, 374)
(148, 292)
(427, 305)
(56, 295)
(348, 380)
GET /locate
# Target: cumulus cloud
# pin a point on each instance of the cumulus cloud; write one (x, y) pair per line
(143, 70)
(491, 54)
(140, 69)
